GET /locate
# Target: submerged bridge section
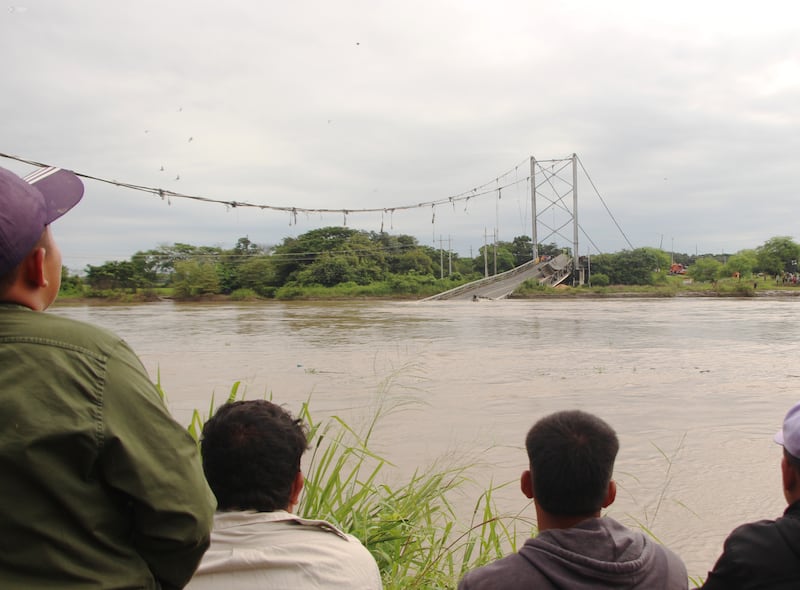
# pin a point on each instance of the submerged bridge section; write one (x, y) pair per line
(550, 272)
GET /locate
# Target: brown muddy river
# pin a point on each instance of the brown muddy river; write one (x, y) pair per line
(694, 387)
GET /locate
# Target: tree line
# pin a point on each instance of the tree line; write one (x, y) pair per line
(326, 257)
(331, 257)
(777, 257)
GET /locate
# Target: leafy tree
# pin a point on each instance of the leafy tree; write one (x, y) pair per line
(230, 262)
(195, 277)
(521, 247)
(705, 269)
(629, 267)
(295, 253)
(466, 268)
(258, 273)
(70, 283)
(113, 275)
(662, 258)
(162, 260)
(403, 254)
(742, 262)
(775, 256)
(416, 260)
(244, 247)
(327, 270)
(144, 270)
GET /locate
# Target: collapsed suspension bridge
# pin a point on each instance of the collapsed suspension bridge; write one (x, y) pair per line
(554, 216)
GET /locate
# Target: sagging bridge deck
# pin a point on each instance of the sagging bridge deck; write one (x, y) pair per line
(548, 272)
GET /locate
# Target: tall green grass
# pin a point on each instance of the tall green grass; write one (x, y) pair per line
(411, 528)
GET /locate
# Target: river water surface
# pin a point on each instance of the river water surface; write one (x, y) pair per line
(694, 387)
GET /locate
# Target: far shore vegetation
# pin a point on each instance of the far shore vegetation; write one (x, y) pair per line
(343, 263)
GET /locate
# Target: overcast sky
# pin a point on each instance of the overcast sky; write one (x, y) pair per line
(686, 116)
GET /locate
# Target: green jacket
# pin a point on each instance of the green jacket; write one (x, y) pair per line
(100, 487)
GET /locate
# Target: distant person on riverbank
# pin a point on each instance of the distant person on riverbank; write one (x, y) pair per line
(766, 554)
(251, 457)
(571, 456)
(101, 488)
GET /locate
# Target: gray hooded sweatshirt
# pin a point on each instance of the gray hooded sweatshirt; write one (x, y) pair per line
(596, 553)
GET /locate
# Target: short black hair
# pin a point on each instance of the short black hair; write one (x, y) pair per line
(8, 279)
(571, 456)
(251, 455)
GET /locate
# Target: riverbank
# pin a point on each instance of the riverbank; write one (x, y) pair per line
(610, 292)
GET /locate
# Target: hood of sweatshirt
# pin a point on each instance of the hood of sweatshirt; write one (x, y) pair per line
(598, 553)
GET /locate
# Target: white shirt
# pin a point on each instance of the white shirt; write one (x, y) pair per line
(252, 550)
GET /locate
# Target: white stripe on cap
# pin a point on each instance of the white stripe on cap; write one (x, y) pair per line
(40, 174)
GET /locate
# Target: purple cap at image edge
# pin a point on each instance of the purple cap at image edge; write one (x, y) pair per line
(789, 436)
(29, 204)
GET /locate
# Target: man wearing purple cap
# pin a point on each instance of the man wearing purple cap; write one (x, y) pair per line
(766, 554)
(101, 488)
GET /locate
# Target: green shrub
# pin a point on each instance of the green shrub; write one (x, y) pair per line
(289, 291)
(600, 279)
(244, 295)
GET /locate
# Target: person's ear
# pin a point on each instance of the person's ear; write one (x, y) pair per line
(297, 487)
(790, 476)
(611, 494)
(526, 483)
(33, 268)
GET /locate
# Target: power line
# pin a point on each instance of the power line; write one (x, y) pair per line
(604, 204)
(166, 194)
(492, 187)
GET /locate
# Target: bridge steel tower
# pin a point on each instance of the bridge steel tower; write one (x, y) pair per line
(553, 182)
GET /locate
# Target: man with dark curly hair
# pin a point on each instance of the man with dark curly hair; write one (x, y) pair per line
(251, 457)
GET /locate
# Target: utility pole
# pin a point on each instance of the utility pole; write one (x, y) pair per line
(575, 251)
(441, 259)
(485, 254)
(534, 237)
(449, 257)
(495, 251)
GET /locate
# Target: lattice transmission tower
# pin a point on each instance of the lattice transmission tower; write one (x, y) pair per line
(554, 205)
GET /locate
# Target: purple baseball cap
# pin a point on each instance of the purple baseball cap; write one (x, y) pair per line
(29, 204)
(789, 436)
